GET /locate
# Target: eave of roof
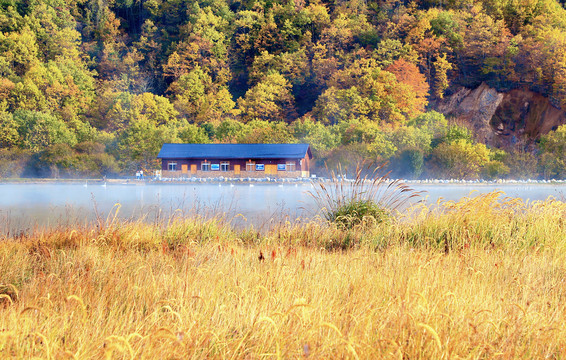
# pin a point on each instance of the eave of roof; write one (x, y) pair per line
(234, 151)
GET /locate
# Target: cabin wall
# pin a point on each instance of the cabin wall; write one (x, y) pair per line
(231, 174)
(301, 168)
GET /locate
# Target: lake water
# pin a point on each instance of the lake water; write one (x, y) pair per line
(27, 206)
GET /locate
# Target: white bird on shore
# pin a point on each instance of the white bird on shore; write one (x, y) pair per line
(231, 185)
(104, 185)
(86, 184)
(251, 185)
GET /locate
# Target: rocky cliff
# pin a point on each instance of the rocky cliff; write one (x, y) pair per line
(504, 120)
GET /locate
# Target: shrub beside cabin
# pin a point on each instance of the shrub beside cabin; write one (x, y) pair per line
(235, 160)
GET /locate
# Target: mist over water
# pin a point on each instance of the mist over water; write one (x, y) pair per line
(25, 207)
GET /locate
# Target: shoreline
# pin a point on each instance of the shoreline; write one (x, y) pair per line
(267, 181)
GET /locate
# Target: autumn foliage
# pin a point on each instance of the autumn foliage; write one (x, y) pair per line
(105, 71)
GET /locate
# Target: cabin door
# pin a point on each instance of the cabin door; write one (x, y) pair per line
(271, 169)
(236, 169)
(193, 169)
(184, 168)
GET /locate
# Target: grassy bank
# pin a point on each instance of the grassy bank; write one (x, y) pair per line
(481, 278)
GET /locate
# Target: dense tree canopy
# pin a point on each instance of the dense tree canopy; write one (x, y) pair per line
(355, 79)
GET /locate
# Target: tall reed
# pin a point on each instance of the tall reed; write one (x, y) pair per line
(370, 195)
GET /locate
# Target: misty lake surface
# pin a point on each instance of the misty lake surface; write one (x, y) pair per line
(29, 206)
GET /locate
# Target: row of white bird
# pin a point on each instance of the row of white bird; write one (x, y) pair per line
(252, 185)
(435, 182)
(86, 184)
(219, 185)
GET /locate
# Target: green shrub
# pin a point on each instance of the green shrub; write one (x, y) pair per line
(356, 212)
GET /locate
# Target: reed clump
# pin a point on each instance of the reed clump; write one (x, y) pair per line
(368, 196)
(479, 278)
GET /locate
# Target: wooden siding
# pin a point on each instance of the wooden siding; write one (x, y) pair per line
(302, 167)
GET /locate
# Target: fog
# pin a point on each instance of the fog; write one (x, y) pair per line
(25, 207)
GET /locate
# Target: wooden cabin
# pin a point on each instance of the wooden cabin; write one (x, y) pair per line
(235, 160)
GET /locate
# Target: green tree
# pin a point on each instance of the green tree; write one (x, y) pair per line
(457, 132)
(188, 133)
(336, 105)
(9, 136)
(268, 132)
(200, 100)
(459, 159)
(441, 83)
(434, 123)
(321, 138)
(409, 137)
(13, 162)
(381, 96)
(374, 143)
(18, 52)
(228, 130)
(389, 51)
(125, 108)
(56, 161)
(269, 100)
(293, 66)
(39, 130)
(522, 165)
(495, 169)
(409, 163)
(553, 148)
(139, 144)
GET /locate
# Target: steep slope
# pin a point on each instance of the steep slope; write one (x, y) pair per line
(503, 120)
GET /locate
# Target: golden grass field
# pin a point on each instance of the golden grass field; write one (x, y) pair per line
(483, 278)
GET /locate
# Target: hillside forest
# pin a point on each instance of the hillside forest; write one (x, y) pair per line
(92, 88)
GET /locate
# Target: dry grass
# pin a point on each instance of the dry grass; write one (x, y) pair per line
(481, 278)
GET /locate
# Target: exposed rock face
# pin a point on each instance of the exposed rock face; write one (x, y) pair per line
(505, 120)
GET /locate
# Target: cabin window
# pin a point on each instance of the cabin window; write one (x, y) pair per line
(250, 166)
(291, 166)
(172, 166)
(205, 166)
(225, 166)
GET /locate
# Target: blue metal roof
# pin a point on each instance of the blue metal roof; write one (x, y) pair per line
(234, 151)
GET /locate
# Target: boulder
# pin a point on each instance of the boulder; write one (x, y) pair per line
(505, 120)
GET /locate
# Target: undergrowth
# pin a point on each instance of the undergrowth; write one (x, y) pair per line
(486, 221)
(478, 278)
